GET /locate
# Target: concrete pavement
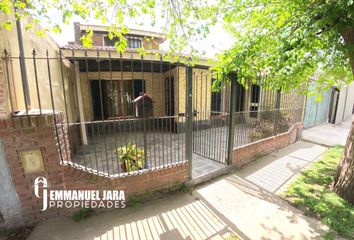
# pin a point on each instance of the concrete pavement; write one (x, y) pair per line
(236, 203)
(273, 172)
(328, 134)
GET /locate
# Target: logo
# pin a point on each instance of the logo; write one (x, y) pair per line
(77, 198)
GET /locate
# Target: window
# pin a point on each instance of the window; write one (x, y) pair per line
(117, 97)
(110, 42)
(133, 42)
(215, 101)
(255, 97)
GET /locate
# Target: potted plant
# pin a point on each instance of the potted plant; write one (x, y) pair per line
(131, 157)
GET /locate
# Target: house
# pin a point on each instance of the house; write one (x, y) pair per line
(111, 81)
(100, 92)
(71, 109)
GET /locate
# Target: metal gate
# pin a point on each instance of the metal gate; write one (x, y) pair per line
(210, 117)
(317, 112)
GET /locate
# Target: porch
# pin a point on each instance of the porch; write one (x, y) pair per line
(164, 148)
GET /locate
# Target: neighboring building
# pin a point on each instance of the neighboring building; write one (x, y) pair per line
(336, 105)
(109, 88)
(163, 80)
(342, 105)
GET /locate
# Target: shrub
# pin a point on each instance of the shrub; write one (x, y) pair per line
(265, 126)
(82, 214)
(262, 130)
(131, 157)
(134, 202)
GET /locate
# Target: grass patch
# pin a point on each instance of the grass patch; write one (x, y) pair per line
(311, 192)
(134, 202)
(186, 189)
(232, 236)
(82, 214)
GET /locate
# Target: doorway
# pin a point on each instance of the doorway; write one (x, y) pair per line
(333, 105)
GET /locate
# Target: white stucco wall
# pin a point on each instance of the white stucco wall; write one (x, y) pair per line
(345, 103)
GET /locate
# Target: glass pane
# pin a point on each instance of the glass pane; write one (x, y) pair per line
(127, 98)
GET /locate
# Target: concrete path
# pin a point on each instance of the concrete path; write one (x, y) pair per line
(328, 134)
(230, 204)
(273, 172)
(202, 166)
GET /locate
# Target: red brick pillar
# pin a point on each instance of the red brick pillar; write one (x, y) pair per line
(35, 134)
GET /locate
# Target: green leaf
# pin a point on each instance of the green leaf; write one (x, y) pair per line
(7, 25)
(29, 26)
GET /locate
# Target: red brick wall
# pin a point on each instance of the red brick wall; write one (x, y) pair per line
(21, 133)
(152, 44)
(97, 40)
(245, 154)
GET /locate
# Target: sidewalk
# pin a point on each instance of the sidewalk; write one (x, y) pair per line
(328, 134)
(274, 171)
(230, 204)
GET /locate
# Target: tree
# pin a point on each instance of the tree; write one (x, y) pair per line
(284, 42)
(182, 21)
(289, 42)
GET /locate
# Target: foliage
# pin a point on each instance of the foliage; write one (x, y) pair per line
(181, 21)
(186, 189)
(283, 42)
(232, 236)
(131, 157)
(311, 190)
(263, 129)
(134, 202)
(288, 42)
(82, 214)
(265, 126)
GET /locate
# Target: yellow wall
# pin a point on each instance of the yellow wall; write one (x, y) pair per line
(154, 85)
(32, 41)
(201, 92)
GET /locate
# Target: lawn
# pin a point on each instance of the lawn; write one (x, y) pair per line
(311, 192)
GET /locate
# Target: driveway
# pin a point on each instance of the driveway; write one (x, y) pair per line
(328, 134)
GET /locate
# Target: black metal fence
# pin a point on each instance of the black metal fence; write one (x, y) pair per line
(267, 124)
(125, 114)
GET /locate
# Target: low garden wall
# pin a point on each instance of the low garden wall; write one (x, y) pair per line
(244, 154)
(36, 135)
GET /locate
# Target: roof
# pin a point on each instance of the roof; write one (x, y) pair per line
(103, 48)
(130, 30)
(80, 50)
(141, 97)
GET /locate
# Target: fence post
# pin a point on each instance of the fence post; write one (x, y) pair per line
(277, 110)
(23, 69)
(189, 118)
(230, 143)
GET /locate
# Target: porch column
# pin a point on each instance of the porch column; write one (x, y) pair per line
(80, 103)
